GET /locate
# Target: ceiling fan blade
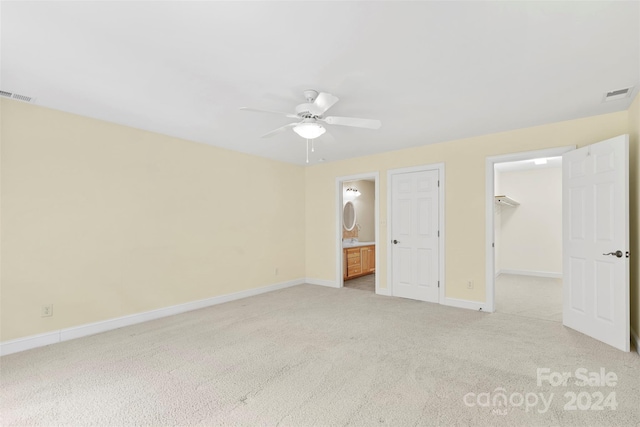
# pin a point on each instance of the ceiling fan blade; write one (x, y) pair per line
(323, 102)
(353, 121)
(255, 110)
(279, 130)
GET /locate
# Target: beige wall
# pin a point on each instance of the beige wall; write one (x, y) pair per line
(634, 217)
(465, 194)
(530, 234)
(104, 220)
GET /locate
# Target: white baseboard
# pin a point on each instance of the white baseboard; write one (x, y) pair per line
(463, 303)
(551, 274)
(636, 340)
(321, 282)
(40, 340)
(383, 291)
(27, 343)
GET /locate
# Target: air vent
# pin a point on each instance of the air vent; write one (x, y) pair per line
(617, 94)
(22, 97)
(17, 96)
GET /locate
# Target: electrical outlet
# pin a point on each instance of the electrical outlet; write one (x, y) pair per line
(276, 271)
(47, 310)
(470, 284)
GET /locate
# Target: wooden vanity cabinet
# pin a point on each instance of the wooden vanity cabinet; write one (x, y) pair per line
(354, 262)
(359, 261)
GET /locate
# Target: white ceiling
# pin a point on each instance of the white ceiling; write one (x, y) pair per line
(430, 71)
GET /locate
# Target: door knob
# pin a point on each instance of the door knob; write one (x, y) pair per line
(395, 242)
(616, 253)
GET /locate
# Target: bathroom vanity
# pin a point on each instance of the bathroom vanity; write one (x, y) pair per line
(359, 259)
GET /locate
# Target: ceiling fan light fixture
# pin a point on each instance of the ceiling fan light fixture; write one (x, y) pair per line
(309, 130)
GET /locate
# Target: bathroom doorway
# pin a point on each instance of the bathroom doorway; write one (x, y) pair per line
(357, 232)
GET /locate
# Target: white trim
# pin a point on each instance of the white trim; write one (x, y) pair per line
(40, 340)
(463, 303)
(440, 167)
(27, 343)
(550, 274)
(636, 340)
(383, 291)
(490, 205)
(441, 212)
(321, 282)
(339, 282)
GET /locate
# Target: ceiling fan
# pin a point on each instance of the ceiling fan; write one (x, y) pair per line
(311, 116)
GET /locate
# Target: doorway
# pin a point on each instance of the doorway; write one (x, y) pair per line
(595, 237)
(522, 272)
(357, 231)
(528, 238)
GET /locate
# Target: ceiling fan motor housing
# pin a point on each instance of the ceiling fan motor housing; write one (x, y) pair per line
(307, 111)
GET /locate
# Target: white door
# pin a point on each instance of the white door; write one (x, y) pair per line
(595, 193)
(414, 231)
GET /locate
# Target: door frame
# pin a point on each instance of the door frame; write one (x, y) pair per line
(490, 277)
(338, 241)
(441, 223)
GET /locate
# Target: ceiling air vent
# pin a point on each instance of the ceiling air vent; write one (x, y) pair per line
(17, 96)
(617, 94)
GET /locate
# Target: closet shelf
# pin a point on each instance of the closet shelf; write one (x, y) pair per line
(506, 201)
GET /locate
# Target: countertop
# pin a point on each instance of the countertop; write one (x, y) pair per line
(357, 244)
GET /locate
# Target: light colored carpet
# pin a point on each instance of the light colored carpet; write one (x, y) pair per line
(311, 355)
(364, 283)
(529, 296)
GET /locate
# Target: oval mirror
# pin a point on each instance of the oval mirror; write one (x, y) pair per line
(349, 216)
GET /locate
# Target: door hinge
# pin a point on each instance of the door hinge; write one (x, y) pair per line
(438, 233)
(438, 283)
(493, 245)
(438, 183)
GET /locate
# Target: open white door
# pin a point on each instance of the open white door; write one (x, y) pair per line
(595, 193)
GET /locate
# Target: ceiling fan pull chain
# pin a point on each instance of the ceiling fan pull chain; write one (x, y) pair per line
(313, 149)
(307, 151)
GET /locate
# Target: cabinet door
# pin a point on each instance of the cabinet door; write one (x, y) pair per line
(344, 264)
(364, 257)
(372, 259)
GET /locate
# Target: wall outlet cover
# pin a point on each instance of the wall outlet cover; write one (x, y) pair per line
(46, 311)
